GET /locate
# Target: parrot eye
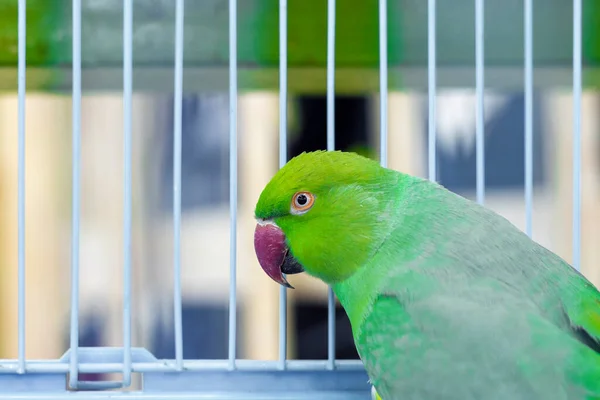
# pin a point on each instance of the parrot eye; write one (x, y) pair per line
(302, 202)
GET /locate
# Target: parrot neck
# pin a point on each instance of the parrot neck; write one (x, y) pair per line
(358, 292)
(408, 238)
(356, 300)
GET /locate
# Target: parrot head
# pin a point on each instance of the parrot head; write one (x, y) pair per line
(323, 213)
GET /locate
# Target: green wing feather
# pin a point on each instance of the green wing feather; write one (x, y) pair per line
(582, 306)
(500, 349)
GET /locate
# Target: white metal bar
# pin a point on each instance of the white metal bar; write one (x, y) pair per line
(529, 117)
(577, 134)
(233, 180)
(75, 207)
(45, 366)
(479, 83)
(330, 75)
(431, 75)
(177, 121)
(282, 161)
(383, 83)
(167, 395)
(330, 147)
(21, 182)
(127, 126)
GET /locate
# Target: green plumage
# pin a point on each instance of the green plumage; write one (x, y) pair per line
(446, 298)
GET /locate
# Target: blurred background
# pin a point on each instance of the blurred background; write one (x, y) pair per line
(205, 186)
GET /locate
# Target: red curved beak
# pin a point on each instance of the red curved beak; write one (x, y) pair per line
(271, 249)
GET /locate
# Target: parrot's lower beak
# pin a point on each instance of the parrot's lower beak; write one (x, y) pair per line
(273, 253)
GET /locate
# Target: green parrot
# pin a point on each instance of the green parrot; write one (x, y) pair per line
(447, 299)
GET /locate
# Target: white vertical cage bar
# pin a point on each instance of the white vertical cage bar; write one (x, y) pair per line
(479, 84)
(75, 207)
(330, 147)
(529, 117)
(127, 127)
(383, 83)
(21, 183)
(177, 116)
(431, 95)
(577, 134)
(282, 161)
(233, 180)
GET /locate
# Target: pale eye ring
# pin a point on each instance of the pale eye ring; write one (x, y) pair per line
(302, 202)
